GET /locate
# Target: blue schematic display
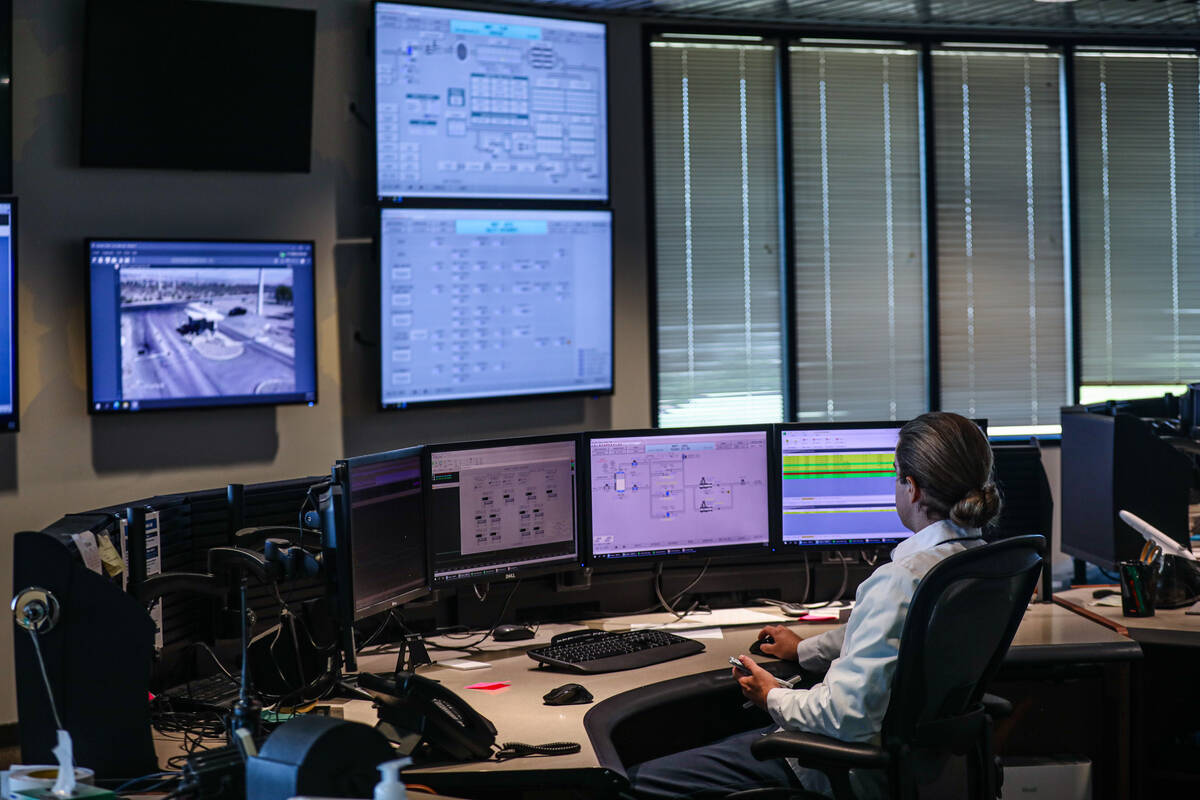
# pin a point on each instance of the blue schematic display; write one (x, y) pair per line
(8, 316)
(472, 104)
(179, 324)
(481, 304)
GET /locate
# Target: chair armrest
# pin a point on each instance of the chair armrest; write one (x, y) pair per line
(996, 707)
(819, 752)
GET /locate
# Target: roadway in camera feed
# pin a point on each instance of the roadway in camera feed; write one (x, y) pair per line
(160, 362)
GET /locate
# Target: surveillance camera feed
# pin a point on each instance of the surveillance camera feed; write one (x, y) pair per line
(178, 324)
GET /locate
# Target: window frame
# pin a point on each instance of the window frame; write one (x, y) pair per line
(783, 38)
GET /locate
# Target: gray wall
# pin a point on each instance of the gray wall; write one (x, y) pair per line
(64, 460)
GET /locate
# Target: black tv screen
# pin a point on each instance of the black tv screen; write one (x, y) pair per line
(186, 324)
(197, 85)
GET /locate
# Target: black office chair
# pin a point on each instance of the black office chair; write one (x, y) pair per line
(963, 617)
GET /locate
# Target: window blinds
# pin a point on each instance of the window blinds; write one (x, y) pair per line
(716, 183)
(859, 312)
(1001, 314)
(1138, 157)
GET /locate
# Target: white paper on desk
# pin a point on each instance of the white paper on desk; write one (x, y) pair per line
(1109, 602)
(463, 663)
(702, 633)
(1153, 534)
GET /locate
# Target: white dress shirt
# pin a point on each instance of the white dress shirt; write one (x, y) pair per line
(859, 658)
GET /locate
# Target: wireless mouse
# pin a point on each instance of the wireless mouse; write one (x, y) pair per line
(512, 633)
(568, 694)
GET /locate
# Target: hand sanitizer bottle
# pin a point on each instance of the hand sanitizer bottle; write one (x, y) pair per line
(389, 786)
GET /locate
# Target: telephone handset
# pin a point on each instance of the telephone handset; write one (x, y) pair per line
(430, 713)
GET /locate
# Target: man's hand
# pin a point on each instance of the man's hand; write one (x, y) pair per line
(755, 685)
(785, 642)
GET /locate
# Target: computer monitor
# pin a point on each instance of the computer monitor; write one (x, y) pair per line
(502, 509)
(189, 324)
(156, 93)
(670, 493)
(474, 104)
(486, 304)
(838, 484)
(8, 315)
(385, 531)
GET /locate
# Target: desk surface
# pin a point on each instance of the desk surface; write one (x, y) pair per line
(1169, 626)
(1047, 634)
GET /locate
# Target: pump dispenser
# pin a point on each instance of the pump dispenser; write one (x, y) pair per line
(389, 786)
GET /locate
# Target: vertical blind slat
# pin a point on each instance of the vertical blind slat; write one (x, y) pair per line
(717, 234)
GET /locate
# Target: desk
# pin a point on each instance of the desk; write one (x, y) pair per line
(1049, 636)
(1169, 711)
(1168, 626)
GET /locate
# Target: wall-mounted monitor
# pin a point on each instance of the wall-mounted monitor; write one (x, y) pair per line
(486, 304)
(474, 104)
(502, 509)
(186, 324)
(197, 85)
(9, 420)
(669, 493)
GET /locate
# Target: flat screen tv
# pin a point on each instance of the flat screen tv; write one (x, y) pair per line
(186, 324)
(475, 104)
(481, 304)
(197, 85)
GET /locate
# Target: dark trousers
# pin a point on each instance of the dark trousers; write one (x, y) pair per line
(715, 769)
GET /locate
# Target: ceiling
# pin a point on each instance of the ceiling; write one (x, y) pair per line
(1175, 18)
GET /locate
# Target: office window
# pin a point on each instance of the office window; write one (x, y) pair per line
(1138, 136)
(1000, 274)
(856, 182)
(716, 183)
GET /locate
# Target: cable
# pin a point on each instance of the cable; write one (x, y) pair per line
(1106, 574)
(478, 596)
(37, 649)
(366, 642)
(669, 606)
(841, 590)
(509, 750)
(499, 617)
(205, 647)
(139, 779)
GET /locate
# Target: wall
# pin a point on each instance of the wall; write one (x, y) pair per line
(65, 460)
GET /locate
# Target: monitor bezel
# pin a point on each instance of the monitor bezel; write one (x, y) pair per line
(739, 552)
(86, 111)
(535, 395)
(497, 201)
(796, 548)
(793, 549)
(345, 539)
(11, 423)
(518, 572)
(91, 399)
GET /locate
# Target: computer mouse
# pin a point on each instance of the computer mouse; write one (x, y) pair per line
(756, 648)
(569, 694)
(512, 633)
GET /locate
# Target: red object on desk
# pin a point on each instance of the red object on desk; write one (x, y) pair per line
(490, 687)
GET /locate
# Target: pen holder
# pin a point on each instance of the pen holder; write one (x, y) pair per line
(1137, 588)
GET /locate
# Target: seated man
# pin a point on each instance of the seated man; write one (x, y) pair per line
(945, 495)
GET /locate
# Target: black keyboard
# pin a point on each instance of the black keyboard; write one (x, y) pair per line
(214, 691)
(591, 652)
